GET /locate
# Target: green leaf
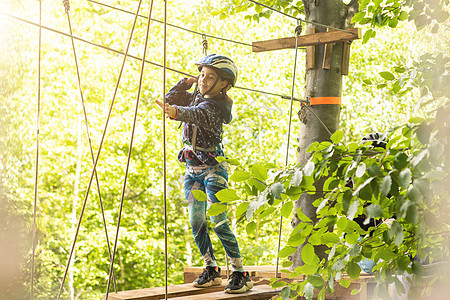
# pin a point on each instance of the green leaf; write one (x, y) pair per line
(308, 255)
(267, 212)
(297, 178)
(387, 75)
(276, 189)
(251, 227)
(259, 171)
(345, 282)
(353, 270)
(199, 195)
(309, 168)
(287, 209)
(403, 16)
(216, 209)
(302, 216)
(404, 178)
(374, 211)
(360, 170)
(286, 251)
(385, 185)
(233, 162)
(239, 175)
(227, 195)
(241, 209)
(352, 238)
(353, 209)
(285, 292)
(354, 292)
(308, 291)
(367, 35)
(400, 160)
(330, 238)
(315, 280)
(337, 136)
(296, 240)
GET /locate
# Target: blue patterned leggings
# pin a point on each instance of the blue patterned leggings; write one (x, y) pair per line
(210, 179)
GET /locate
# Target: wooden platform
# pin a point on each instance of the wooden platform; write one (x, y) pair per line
(261, 290)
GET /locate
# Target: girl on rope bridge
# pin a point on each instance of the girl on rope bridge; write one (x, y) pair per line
(203, 115)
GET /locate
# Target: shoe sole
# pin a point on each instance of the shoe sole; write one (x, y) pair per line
(248, 286)
(216, 281)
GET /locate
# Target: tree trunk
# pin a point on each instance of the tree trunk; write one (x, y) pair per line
(320, 83)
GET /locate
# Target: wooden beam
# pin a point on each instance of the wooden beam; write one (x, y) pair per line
(308, 40)
(310, 51)
(328, 52)
(345, 58)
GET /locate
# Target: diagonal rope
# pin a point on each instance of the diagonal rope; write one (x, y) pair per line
(138, 58)
(38, 117)
(165, 151)
(175, 26)
(111, 268)
(98, 153)
(299, 19)
(298, 30)
(67, 9)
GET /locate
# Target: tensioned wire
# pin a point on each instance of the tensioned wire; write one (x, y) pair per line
(297, 33)
(164, 148)
(175, 26)
(138, 58)
(299, 19)
(38, 114)
(98, 155)
(130, 147)
(67, 9)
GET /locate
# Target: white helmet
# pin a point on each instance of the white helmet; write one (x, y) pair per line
(225, 66)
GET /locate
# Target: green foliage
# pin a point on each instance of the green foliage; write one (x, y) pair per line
(397, 187)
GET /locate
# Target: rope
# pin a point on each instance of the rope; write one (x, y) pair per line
(138, 58)
(298, 31)
(98, 155)
(67, 9)
(165, 152)
(205, 45)
(38, 117)
(176, 26)
(299, 19)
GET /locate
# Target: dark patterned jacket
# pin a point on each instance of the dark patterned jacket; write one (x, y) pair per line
(208, 114)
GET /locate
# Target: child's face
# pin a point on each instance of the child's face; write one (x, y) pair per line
(206, 80)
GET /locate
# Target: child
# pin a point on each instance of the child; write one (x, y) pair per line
(203, 115)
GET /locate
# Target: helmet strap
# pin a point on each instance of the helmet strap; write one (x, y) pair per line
(211, 88)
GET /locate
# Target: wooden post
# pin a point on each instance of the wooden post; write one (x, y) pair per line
(328, 52)
(345, 58)
(310, 52)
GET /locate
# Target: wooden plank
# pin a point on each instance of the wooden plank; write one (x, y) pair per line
(310, 51)
(328, 52)
(257, 292)
(345, 58)
(308, 40)
(159, 292)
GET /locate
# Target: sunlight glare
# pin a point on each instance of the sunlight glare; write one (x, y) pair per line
(4, 6)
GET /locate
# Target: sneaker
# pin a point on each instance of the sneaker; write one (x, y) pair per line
(209, 277)
(240, 282)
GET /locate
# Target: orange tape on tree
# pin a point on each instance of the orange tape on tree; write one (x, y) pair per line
(325, 100)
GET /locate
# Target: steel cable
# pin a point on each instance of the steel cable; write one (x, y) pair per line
(67, 9)
(98, 153)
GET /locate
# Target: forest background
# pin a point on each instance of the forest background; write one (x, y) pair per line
(378, 94)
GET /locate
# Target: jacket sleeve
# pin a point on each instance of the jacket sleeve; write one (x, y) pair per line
(178, 94)
(206, 115)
